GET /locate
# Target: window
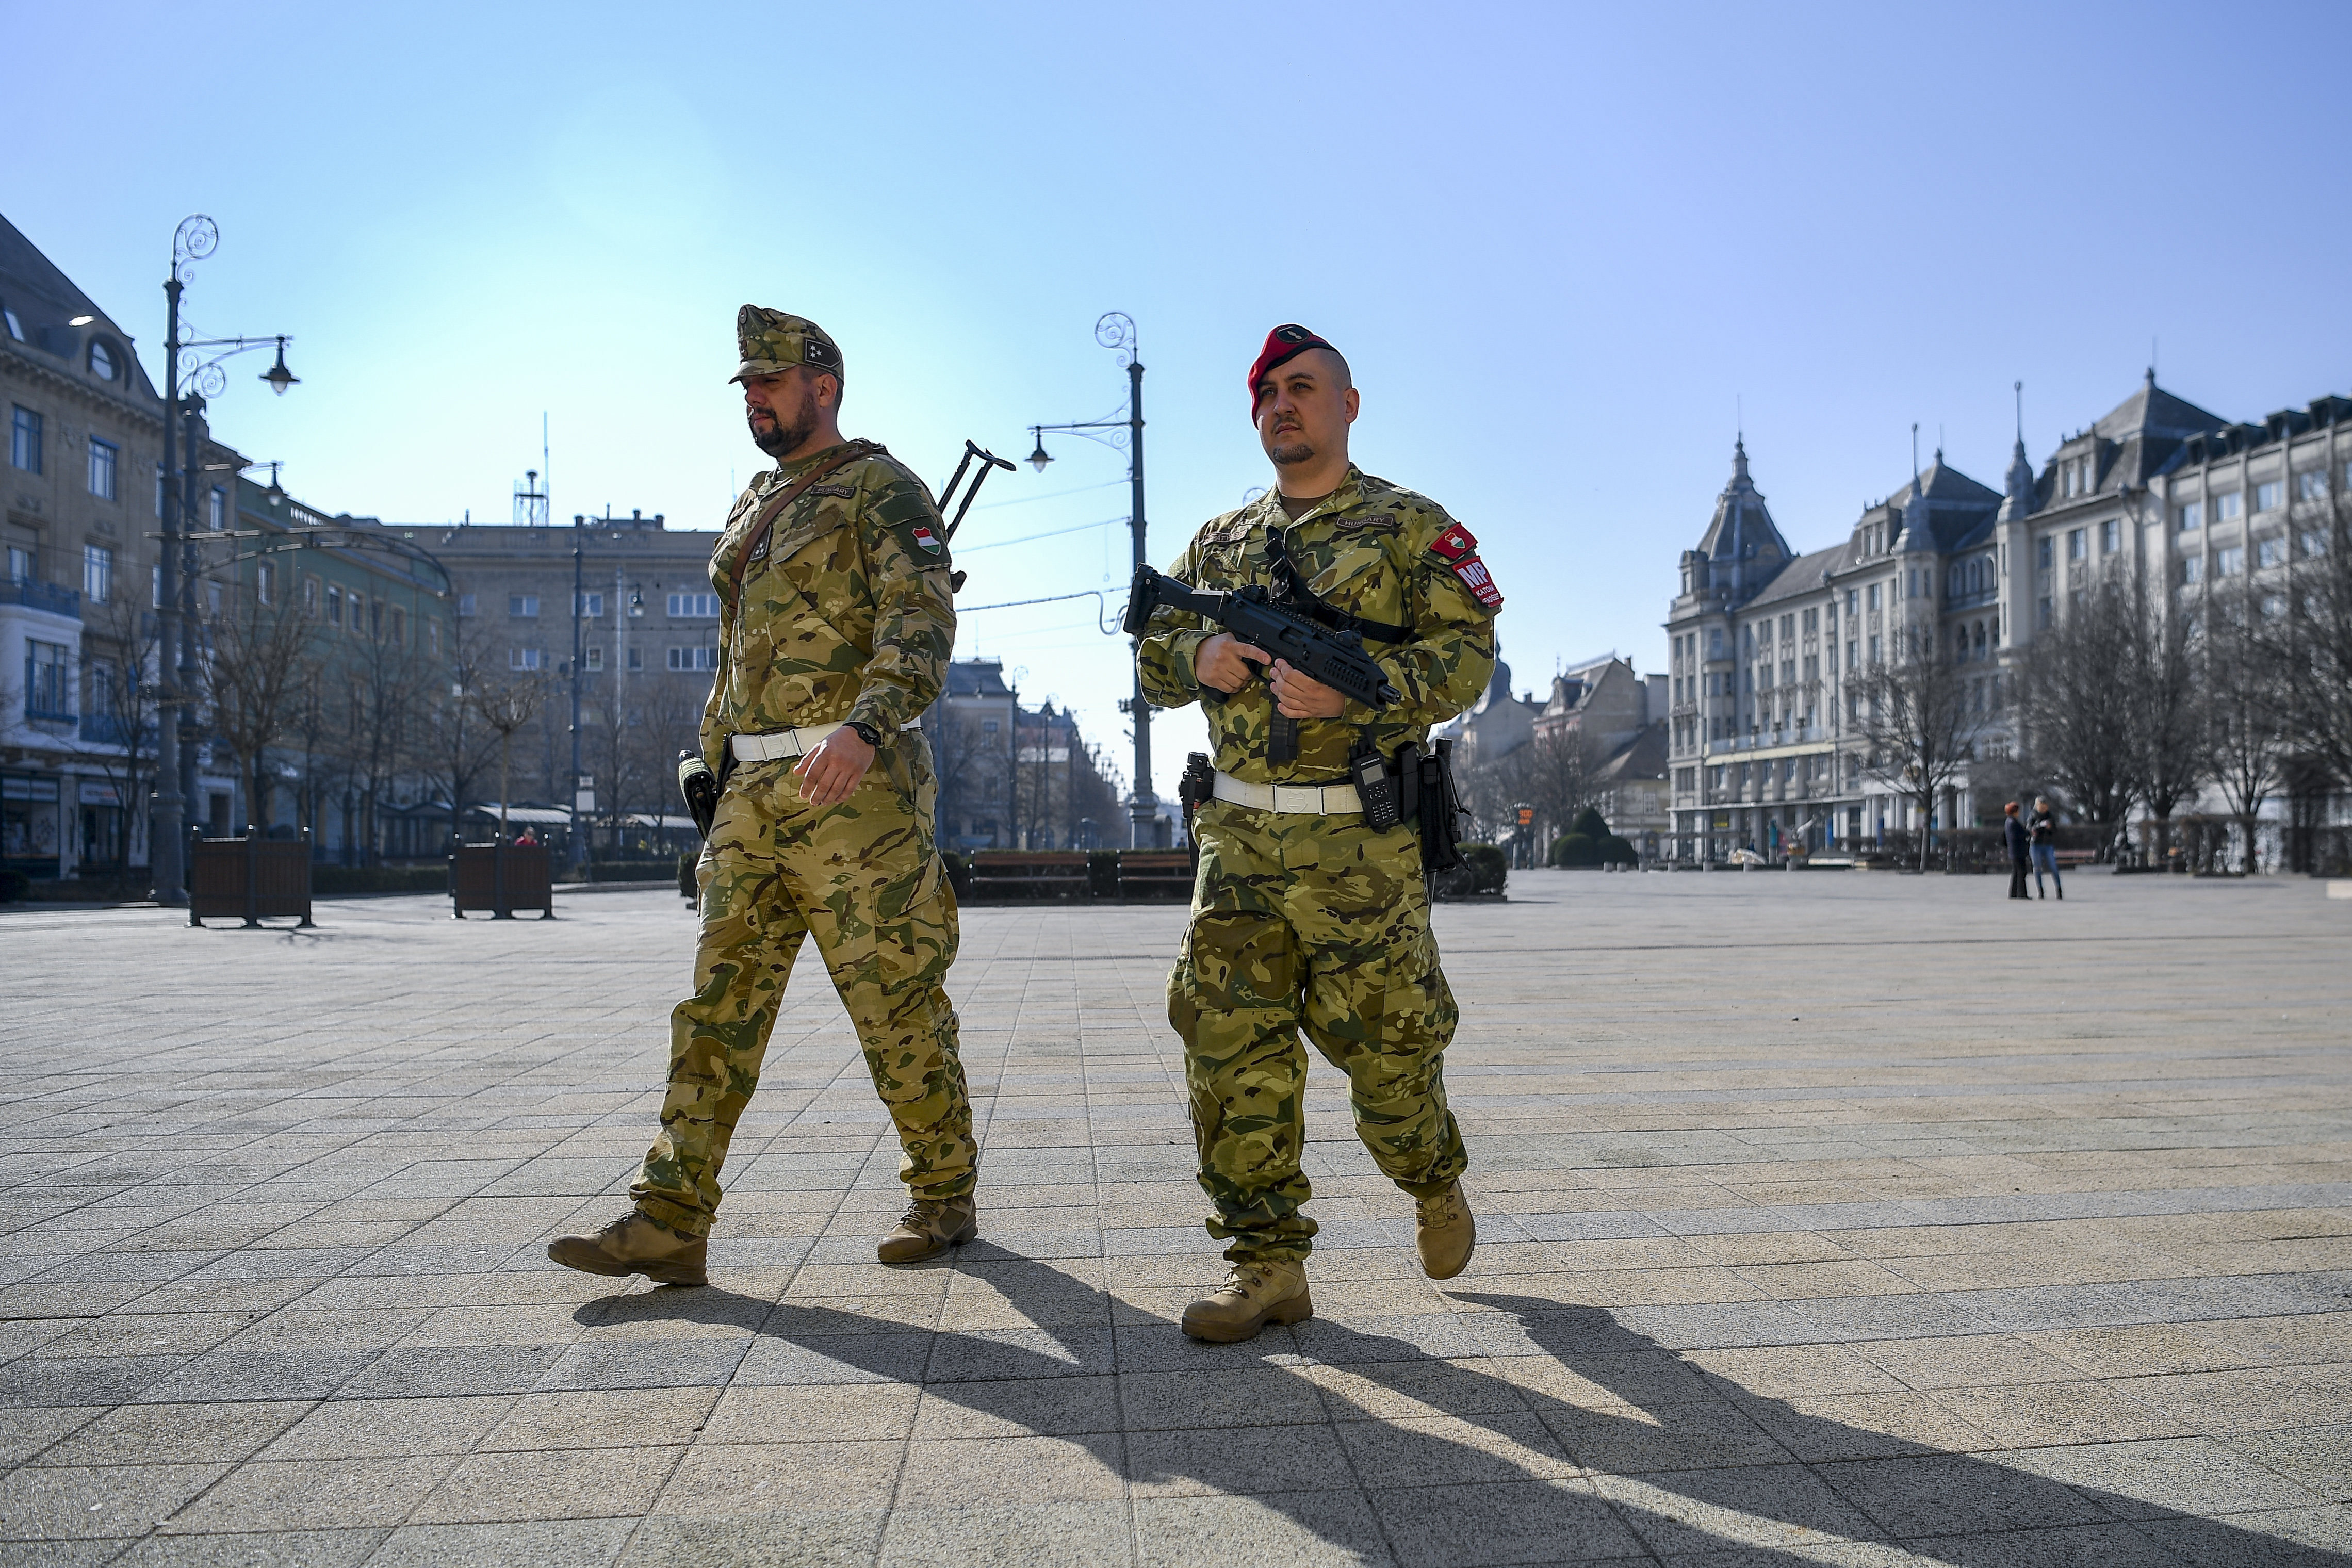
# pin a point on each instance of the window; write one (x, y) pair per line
(595, 659)
(465, 604)
(2227, 506)
(1812, 622)
(2044, 551)
(2229, 561)
(334, 605)
(1851, 661)
(636, 659)
(1874, 650)
(693, 606)
(694, 658)
(216, 510)
(1853, 602)
(525, 605)
(2111, 536)
(523, 658)
(264, 582)
(1787, 627)
(2270, 552)
(433, 638)
(375, 620)
(2311, 485)
(588, 605)
(1788, 672)
(399, 627)
(2189, 518)
(2268, 496)
(20, 564)
(1874, 596)
(2314, 541)
(2077, 545)
(25, 440)
(46, 665)
(103, 456)
(101, 359)
(2042, 611)
(97, 573)
(310, 597)
(15, 323)
(2192, 570)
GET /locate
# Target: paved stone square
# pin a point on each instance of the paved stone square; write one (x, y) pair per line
(1856, 1219)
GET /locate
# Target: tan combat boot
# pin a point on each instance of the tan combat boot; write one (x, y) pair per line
(636, 1244)
(1447, 1232)
(929, 1226)
(1257, 1292)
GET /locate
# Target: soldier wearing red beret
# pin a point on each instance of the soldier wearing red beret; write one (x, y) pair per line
(1306, 918)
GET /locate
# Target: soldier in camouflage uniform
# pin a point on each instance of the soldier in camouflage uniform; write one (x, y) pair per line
(1303, 917)
(835, 626)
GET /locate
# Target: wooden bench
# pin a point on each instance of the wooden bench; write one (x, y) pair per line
(2068, 858)
(1029, 876)
(1155, 875)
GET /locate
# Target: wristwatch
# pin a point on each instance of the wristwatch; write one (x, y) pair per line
(865, 731)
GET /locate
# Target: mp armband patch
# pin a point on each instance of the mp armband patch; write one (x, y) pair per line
(1458, 548)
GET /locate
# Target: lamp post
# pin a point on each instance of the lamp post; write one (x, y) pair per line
(1116, 331)
(175, 645)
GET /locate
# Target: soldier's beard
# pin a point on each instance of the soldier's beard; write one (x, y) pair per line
(779, 438)
(1292, 453)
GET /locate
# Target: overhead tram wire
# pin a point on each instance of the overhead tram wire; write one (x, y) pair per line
(1050, 533)
(1049, 495)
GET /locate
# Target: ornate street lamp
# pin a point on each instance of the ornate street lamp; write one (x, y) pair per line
(1116, 331)
(189, 379)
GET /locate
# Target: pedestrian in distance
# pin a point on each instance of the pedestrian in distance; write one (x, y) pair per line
(2014, 833)
(1304, 916)
(526, 839)
(2043, 830)
(836, 622)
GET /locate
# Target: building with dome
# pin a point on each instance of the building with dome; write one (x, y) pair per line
(1764, 644)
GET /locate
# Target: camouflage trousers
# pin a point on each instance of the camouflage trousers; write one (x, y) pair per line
(1318, 924)
(862, 877)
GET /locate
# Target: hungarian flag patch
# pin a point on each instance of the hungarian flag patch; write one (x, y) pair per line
(1459, 550)
(926, 537)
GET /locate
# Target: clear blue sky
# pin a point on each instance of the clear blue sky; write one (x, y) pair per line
(1561, 245)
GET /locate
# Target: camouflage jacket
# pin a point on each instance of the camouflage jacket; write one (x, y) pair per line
(1375, 551)
(846, 611)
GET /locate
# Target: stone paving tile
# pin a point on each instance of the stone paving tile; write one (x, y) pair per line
(1907, 1277)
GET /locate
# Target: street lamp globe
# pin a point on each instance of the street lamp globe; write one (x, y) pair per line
(278, 377)
(1039, 457)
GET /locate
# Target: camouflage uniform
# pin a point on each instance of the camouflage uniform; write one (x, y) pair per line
(846, 614)
(1316, 922)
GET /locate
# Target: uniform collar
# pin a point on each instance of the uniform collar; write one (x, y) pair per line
(1349, 494)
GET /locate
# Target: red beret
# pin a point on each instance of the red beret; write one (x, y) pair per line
(1284, 343)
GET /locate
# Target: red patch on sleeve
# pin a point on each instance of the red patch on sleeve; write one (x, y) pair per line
(1481, 584)
(1453, 545)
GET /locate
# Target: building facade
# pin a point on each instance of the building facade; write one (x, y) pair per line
(1767, 646)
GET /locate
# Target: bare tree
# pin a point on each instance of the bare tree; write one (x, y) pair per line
(118, 692)
(1915, 716)
(508, 703)
(456, 748)
(2165, 692)
(2246, 690)
(2317, 654)
(261, 661)
(2075, 710)
(970, 763)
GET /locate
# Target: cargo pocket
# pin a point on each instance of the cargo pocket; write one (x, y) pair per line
(907, 894)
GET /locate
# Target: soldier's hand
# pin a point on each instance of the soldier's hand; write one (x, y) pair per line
(1300, 696)
(1227, 663)
(829, 772)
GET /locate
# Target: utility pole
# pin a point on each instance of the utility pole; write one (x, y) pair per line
(169, 812)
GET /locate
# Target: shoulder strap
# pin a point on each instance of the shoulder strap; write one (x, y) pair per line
(785, 497)
(1290, 587)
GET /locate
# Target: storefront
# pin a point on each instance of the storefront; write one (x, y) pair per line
(30, 839)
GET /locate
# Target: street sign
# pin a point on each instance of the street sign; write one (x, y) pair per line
(1526, 816)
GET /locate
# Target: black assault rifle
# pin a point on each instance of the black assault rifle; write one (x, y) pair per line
(1338, 659)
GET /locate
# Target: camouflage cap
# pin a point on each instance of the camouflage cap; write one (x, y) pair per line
(773, 341)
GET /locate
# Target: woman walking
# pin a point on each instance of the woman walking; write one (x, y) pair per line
(2014, 833)
(2042, 831)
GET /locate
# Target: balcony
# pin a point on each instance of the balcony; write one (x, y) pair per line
(44, 596)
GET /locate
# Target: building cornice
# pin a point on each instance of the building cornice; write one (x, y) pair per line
(16, 358)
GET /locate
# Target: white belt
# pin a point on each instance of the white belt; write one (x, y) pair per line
(1311, 800)
(788, 743)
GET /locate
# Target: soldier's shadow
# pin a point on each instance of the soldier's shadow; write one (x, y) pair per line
(1686, 1458)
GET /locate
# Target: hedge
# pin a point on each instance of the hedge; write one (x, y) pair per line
(1575, 850)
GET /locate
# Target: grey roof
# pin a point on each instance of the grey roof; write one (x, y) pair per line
(1643, 757)
(977, 678)
(1802, 576)
(45, 299)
